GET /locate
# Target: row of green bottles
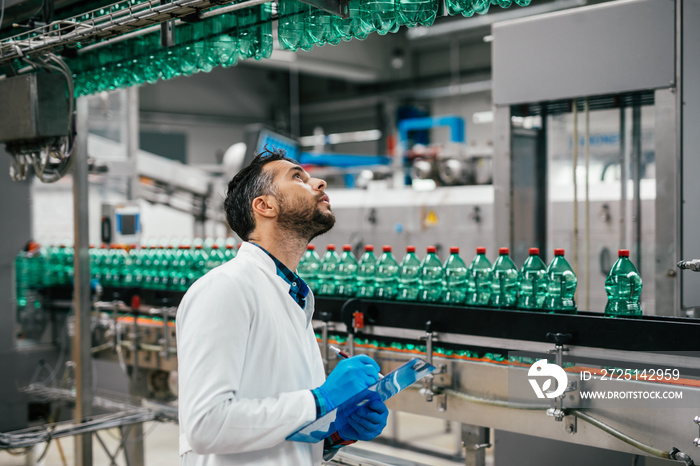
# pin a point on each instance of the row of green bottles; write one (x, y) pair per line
(535, 286)
(501, 285)
(469, 7)
(200, 46)
(153, 267)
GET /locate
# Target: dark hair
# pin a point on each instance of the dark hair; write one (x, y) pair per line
(248, 184)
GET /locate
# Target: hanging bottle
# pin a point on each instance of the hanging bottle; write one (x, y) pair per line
(417, 12)
(346, 273)
(623, 286)
(409, 276)
(353, 26)
(561, 285)
(432, 276)
(533, 282)
(291, 26)
(366, 271)
(381, 15)
(504, 281)
(479, 279)
(455, 278)
(386, 275)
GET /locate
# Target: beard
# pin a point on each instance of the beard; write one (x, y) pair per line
(304, 221)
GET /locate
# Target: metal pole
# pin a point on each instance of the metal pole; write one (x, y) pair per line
(131, 113)
(81, 287)
(636, 180)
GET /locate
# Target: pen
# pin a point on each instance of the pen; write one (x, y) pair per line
(342, 354)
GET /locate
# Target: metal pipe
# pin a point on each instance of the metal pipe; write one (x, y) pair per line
(82, 355)
(574, 254)
(587, 208)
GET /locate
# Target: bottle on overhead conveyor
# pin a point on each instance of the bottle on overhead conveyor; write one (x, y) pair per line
(291, 26)
(417, 12)
(366, 271)
(308, 268)
(561, 285)
(387, 275)
(623, 287)
(432, 277)
(409, 276)
(533, 282)
(346, 273)
(326, 274)
(504, 281)
(479, 279)
(455, 278)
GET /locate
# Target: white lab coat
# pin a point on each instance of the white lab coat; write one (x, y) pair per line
(247, 360)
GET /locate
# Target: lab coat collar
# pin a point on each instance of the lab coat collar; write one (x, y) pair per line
(258, 256)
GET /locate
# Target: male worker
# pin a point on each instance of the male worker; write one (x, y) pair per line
(250, 371)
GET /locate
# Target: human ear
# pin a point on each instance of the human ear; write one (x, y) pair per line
(265, 206)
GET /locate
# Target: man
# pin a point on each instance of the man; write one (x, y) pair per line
(250, 371)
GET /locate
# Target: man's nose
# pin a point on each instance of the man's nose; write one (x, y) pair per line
(318, 184)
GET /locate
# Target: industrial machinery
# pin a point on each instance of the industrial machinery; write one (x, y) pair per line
(629, 385)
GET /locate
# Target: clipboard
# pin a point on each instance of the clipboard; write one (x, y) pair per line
(385, 388)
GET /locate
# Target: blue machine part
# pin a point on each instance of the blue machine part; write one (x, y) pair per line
(455, 123)
(276, 141)
(342, 160)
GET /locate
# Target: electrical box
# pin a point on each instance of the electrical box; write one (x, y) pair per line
(35, 106)
(121, 223)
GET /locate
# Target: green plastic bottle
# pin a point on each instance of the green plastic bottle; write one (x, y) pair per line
(533, 282)
(561, 285)
(455, 278)
(326, 273)
(432, 277)
(309, 266)
(291, 25)
(409, 276)
(319, 26)
(386, 275)
(504, 281)
(229, 252)
(479, 279)
(366, 271)
(417, 12)
(353, 26)
(623, 287)
(381, 15)
(216, 257)
(346, 273)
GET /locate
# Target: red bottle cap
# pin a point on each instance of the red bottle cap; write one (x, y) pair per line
(454, 250)
(558, 252)
(310, 247)
(199, 246)
(135, 302)
(503, 251)
(432, 249)
(386, 248)
(481, 250)
(369, 247)
(229, 246)
(623, 253)
(215, 246)
(347, 247)
(410, 249)
(534, 251)
(331, 247)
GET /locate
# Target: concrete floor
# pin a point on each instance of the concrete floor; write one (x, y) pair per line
(161, 444)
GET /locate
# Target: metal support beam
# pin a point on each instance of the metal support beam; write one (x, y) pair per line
(502, 178)
(131, 113)
(81, 291)
(475, 441)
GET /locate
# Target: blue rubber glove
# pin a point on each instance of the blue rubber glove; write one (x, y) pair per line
(364, 422)
(349, 377)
